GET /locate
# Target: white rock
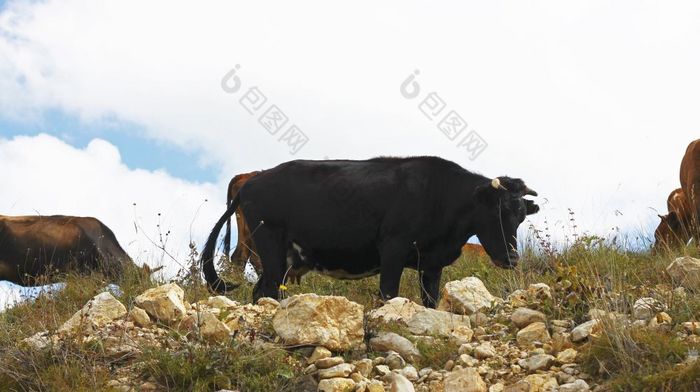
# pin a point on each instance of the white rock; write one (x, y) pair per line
(539, 292)
(484, 350)
(330, 321)
(537, 362)
(164, 303)
(685, 271)
(645, 308)
(409, 372)
(389, 341)
(38, 341)
(418, 319)
(576, 386)
(466, 296)
(98, 312)
(400, 383)
(584, 330)
(221, 302)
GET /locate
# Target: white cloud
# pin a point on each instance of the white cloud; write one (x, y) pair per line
(592, 104)
(44, 175)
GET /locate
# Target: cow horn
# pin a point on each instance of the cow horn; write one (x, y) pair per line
(529, 191)
(496, 183)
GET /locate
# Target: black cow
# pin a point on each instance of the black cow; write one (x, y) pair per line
(351, 219)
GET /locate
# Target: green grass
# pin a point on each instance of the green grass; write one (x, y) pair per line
(233, 366)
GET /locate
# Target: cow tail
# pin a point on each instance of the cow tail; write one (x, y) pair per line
(227, 236)
(215, 283)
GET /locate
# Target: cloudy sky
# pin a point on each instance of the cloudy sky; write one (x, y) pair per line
(122, 109)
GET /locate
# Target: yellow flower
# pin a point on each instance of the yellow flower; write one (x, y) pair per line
(283, 287)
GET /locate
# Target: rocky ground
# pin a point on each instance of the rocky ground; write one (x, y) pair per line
(473, 341)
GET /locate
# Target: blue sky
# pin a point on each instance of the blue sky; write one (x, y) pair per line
(137, 152)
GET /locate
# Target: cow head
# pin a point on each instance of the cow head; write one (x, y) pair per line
(671, 232)
(501, 208)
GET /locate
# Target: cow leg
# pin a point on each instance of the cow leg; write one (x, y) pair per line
(270, 244)
(393, 256)
(430, 286)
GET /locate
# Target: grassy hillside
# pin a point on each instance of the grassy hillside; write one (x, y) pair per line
(587, 275)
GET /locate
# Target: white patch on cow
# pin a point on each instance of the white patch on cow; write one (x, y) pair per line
(299, 251)
(249, 272)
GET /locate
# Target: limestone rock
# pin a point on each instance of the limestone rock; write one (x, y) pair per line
(538, 292)
(466, 296)
(537, 362)
(342, 370)
(522, 317)
(330, 321)
(685, 271)
(38, 341)
(418, 319)
(139, 317)
(484, 351)
(98, 312)
(338, 384)
(221, 302)
(394, 361)
(576, 386)
(567, 356)
(400, 383)
(541, 383)
(389, 341)
(320, 352)
(535, 332)
(645, 308)
(464, 380)
(211, 328)
(164, 303)
(583, 331)
(325, 363)
(364, 366)
(691, 327)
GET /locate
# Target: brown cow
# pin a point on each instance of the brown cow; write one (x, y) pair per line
(245, 248)
(683, 219)
(33, 246)
(690, 183)
(674, 230)
(473, 250)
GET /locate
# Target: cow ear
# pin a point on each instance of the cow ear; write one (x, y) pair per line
(531, 207)
(486, 194)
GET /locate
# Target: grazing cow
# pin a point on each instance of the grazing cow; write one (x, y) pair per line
(690, 183)
(32, 246)
(245, 249)
(674, 230)
(351, 219)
